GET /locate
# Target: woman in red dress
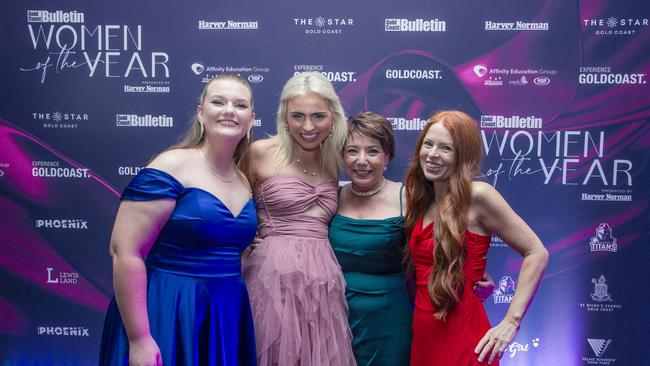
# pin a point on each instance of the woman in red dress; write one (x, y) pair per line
(450, 220)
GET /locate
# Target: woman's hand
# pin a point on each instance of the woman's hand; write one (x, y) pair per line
(144, 352)
(484, 287)
(252, 247)
(496, 340)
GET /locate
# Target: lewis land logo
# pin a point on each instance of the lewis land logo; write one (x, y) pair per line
(603, 241)
(68, 278)
(503, 294)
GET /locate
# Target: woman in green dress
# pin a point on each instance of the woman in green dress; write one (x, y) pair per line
(368, 239)
(367, 235)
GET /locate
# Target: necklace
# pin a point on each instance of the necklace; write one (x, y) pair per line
(304, 171)
(218, 175)
(375, 190)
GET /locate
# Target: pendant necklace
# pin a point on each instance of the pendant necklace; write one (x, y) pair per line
(214, 172)
(304, 171)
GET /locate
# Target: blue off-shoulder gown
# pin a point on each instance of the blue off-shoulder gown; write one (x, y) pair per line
(198, 306)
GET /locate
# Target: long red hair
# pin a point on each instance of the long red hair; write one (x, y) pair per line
(446, 280)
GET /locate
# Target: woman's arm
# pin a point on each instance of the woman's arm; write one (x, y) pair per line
(135, 230)
(494, 213)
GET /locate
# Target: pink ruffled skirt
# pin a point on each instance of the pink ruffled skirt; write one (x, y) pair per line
(297, 294)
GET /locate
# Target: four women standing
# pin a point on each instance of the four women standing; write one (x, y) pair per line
(186, 303)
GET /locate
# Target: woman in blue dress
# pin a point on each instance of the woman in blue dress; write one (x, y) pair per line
(180, 229)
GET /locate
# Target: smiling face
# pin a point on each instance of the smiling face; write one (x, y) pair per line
(310, 120)
(365, 160)
(437, 154)
(226, 109)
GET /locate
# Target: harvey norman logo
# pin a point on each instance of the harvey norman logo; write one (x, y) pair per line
(147, 120)
(58, 16)
(417, 25)
(228, 25)
(495, 121)
(516, 26)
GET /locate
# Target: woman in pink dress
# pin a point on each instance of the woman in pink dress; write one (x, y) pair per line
(450, 220)
(296, 285)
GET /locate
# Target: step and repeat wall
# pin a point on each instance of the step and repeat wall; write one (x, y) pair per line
(90, 91)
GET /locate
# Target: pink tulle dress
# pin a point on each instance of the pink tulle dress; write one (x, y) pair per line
(296, 286)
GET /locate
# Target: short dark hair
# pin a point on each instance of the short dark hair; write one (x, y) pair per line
(376, 126)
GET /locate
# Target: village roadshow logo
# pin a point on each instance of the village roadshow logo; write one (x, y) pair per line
(416, 25)
(62, 42)
(515, 26)
(321, 25)
(228, 25)
(599, 347)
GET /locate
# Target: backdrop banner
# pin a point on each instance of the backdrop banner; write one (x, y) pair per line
(90, 91)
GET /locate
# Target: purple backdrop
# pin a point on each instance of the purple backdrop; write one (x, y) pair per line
(90, 92)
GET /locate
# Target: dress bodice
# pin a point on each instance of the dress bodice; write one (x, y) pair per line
(368, 246)
(283, 202)
(421, 246)
(202, 237)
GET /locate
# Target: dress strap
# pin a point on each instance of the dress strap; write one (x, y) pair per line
(401, 189)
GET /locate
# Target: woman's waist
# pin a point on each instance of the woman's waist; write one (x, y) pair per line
(219, 261)
(372, 282)
(294, 229)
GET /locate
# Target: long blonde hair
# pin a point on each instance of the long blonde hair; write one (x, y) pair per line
(330, 152)
(194, 135)
(446, 280)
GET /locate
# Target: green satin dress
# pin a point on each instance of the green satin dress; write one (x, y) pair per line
(370, 254)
